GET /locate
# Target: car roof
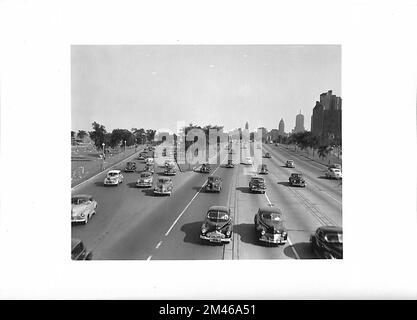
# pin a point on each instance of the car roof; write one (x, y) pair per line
(164, 179)
(267, 209)
(257, 177)
(219, 208)
(114, 171)
(330, 229)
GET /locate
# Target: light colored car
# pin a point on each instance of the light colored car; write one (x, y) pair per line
(290, 164)
(247, 160)
(164, 186)
(145, 179)
(333, 173)
(169, 163)
(113, 178)
(83, 207)
(149, 161)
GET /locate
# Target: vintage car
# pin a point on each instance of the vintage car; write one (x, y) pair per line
(130, 166)
(297, 179)
(218, 225)
(257, 184)
(327, 242)
(170, 171)
(267, 155)
(290, 164)
(169, 163)
(164, 185)
(145, 179)
(149, 161)
(264, 169)
(149, 168)
(276, 144)
(247, 160)
(333, 173)
(113, 178)
(269, 225)
(142, 155)
(79, 251)
(205, 168)
(214, 183)
(83, 207)
(335, 166)
(230, 164)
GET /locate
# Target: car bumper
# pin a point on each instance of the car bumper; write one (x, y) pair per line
(257, 189)
(276, 239)
(77, 219)
(161, 192)
(215, 239)
(111, 183)
(144, 184)
(213, 189)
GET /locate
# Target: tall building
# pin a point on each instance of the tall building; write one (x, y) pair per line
(281, 128)
(326, 121)
(299, 123)
(247, 126)
(264, 133)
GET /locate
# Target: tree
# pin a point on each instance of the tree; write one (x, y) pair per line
(72, 134)
(81, 134)
(323, 151)
(98, 135)
(150, 135)
(119, 136)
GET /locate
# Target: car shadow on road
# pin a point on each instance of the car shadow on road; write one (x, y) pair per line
(243, 189)
(148, 192)
(284, 183)
(192, 234)
(246, 231)
(303, 250)
(131, 185)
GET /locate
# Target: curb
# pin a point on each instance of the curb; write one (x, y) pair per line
(101, 172)
(325, 165)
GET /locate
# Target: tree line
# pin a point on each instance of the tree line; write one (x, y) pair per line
(306, 139)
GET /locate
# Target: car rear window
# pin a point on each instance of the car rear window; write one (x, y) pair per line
(217, 216)
(77, 200)
(274, 216)
(145, 175)
(258, 180)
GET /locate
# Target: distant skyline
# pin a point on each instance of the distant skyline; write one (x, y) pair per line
(157, 85)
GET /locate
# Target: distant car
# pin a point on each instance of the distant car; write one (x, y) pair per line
(79, 251)
(142, 156)
(230, 164)
(170, 171)
(297, 179)
(267, 155)
(257, 184)
(130, 167)
(327, 242)
(149, 161)
(149, 168)
(169, 163)
(113, 178)
(335, 166)
(214, 183)
(247, 160)
(333, 173)
(205, 168)
(145, 179)
(218, 225)
(264, 169)
(83, 207)
(269, 225)
(290, 164)
(164, 186)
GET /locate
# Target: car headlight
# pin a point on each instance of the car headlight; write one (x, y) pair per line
(262, 232)
(82, 214)
(203, 230)
(228, 232)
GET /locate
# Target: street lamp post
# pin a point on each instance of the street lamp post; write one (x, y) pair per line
(125, 146)
(104, 156)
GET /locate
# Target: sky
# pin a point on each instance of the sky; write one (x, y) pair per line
(155, 86)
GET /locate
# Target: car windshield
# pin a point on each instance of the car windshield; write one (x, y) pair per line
(163, 181)
(112, 174)
(296, 175)
(257, 180)
(336, 170)
(213, 179)
(145, 175)
(79, 200)
(217, 216)
(334, 237)
(273, 216)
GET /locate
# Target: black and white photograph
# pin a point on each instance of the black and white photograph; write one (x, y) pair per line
(209, 161)
(206, 152)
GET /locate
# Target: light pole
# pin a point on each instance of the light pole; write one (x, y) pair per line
(125, 146)
(104, 156)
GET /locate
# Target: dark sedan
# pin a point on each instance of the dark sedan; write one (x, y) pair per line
(214, 183)
(130, 167)
(269, 226)
(297, 179)
(327, 242)
(218, 225)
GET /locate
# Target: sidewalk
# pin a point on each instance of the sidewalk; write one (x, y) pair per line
(308, 153)
(84, 167)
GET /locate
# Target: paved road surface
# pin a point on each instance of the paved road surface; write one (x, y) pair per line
(132, 223)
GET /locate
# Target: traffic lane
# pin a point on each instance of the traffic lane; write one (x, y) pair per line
(183, 240)
(300, 223)
(248, 245)
(143, 235)
(312, 172)
(319, 202)
(331, 188)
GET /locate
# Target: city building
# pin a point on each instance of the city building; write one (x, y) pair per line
(247, 126)
(326, 120)
(264, 133)
(281, 128)
(299, 123)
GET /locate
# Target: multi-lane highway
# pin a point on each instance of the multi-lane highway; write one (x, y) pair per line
(133, 223)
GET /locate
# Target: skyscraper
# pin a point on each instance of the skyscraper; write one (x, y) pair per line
(326, 121)
(247, 126)
(299, 123)
(281, 128)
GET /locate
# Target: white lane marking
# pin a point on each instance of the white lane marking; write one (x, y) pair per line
(149, 258)
(158, 245)
(189, 203)
(292, 248)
